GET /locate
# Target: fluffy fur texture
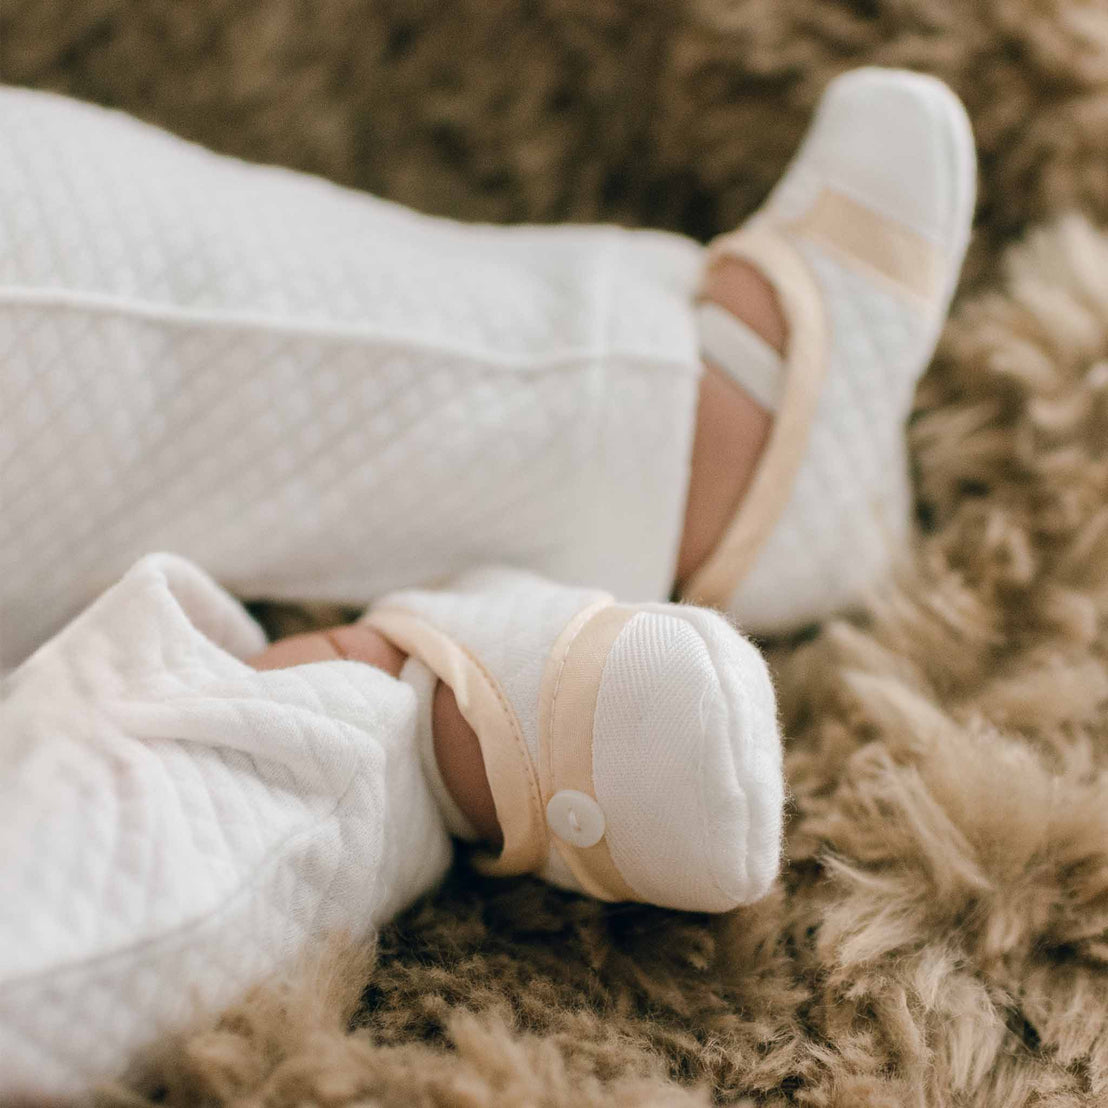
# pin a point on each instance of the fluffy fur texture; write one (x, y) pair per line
(941, 932)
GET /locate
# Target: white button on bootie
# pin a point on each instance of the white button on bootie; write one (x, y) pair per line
(632, 751)
(862, 240)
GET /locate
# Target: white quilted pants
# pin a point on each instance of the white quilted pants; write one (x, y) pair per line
(175, 825)
(314, 393)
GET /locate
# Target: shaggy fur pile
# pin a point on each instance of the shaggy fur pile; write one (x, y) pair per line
(940, 934)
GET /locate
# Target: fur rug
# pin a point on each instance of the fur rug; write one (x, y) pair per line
(940, 934)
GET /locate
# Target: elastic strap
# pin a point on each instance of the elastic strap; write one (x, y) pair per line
(743, 354)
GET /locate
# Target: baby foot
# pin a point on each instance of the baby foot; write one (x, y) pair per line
(631, 752)
(733, 419)
(861, 244)
(448, 745)
(352, 642)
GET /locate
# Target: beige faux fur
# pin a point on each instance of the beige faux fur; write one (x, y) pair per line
(940, 935)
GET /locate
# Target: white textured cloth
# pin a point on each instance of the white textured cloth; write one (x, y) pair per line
(684, 770)
(175, 825)
(312, 392)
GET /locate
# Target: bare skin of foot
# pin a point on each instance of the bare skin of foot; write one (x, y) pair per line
(731, 432)
(731, 427)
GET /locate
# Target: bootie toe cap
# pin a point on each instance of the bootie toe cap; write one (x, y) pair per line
(900, 144)
(687, 761)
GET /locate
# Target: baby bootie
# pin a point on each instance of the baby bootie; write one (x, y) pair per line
(632, 751)
(862, 240)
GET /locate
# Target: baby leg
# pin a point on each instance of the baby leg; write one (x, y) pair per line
(314, 393)
(176, 825)
(277, 376)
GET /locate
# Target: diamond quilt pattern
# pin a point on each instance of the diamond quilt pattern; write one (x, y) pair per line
(850, 510)
(507, 619)
(313, 393)
(173, 816)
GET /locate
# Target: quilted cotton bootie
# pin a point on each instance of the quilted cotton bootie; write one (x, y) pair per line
(862, 241)
(632, 752)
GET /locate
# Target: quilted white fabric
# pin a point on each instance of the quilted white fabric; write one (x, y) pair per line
(177, 825)
(312, 392)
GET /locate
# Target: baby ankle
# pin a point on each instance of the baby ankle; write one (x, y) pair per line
(461, 764)
(740, 288)
(349, 642)
(733, 422)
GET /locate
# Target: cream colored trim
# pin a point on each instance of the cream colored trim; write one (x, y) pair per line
(805, 363)
(552, 674)
(890, 249)
(567, 707)
(483, 704)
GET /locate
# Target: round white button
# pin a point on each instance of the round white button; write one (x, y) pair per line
(575, 818)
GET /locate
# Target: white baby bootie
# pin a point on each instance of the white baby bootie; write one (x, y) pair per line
(862, 240)
(632, 751)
